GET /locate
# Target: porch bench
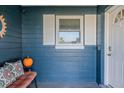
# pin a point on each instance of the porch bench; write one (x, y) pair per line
(12, 75)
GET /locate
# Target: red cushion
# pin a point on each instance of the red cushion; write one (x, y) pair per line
(24, 80)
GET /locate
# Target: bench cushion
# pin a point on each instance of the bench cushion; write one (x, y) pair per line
(24, 80)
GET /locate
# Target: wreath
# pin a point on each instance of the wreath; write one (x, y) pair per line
(3, 26)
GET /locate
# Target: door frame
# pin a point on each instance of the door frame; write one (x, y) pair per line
(106, 42)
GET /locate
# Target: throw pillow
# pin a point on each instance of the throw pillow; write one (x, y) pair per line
(16, 67)
(6, 77)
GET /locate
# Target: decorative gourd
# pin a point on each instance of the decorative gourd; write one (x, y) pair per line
(28, 62)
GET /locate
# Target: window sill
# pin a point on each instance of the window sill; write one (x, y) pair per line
(69, 47)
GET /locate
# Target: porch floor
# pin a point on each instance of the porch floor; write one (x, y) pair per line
(60, 85)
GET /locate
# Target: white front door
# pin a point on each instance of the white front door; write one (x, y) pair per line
(115, 48)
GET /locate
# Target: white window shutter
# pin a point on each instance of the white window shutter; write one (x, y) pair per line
(90, 29)
(48, 29)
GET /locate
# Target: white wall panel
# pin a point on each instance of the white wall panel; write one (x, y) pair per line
(48, 29)
(90, 29)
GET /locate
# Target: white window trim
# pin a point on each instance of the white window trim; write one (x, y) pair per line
(69, 46)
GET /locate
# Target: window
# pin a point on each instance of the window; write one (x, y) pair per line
(69, 32)
(119, 17)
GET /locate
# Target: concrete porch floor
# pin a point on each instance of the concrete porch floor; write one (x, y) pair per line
(65, 85)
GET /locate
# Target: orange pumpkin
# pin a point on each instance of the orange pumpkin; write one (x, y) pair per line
(28, 62)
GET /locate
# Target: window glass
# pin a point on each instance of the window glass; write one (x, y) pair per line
(69, 24)
(69, 37)
(119, 17)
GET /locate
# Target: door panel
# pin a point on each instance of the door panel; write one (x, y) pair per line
(116, 42)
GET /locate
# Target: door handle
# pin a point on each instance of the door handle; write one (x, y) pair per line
(110, 48)
(109, 54)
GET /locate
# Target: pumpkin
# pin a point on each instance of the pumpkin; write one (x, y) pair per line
(28, 62)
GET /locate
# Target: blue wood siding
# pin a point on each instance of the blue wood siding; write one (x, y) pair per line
(10, 45)
(52, 65)
(56, 65)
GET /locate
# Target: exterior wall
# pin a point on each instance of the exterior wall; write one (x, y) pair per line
(56, 65)
(52, 65)
(10, 45)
